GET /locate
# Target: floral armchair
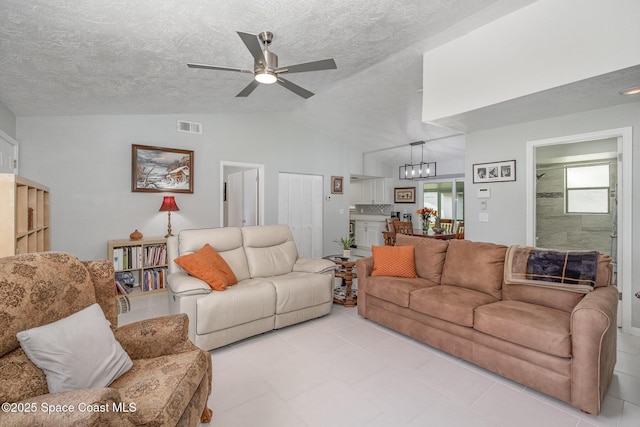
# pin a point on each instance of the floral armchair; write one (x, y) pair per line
(169, 382)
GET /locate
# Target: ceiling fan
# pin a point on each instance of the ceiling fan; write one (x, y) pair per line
(266, 70)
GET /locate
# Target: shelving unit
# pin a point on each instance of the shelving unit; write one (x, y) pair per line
(24, 209)
(143, 262)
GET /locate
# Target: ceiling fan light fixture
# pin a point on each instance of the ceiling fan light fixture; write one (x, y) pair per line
(265, 77)
(631, 91)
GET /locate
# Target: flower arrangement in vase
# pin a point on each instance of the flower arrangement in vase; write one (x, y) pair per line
(425, 216)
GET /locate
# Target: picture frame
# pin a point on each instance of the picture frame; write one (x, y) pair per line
(404, 195)
(494, 171)
(161, 169)
(337, 185)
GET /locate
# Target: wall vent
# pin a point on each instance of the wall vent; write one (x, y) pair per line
(189, 127)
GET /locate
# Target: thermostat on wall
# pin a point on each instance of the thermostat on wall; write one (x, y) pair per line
(484, 193)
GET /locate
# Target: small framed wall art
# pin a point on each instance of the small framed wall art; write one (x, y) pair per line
(404, 195)
(337, 185)
(161, 170)
(494, 172)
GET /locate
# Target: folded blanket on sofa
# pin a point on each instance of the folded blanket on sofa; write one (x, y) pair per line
(568, 270)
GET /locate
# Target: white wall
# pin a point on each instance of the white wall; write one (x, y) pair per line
(86, 161)
(544, 45)
(507, 205)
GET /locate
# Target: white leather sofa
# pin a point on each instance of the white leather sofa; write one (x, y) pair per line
(275, 288)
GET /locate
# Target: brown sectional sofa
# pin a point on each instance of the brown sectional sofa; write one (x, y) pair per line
(559, 342)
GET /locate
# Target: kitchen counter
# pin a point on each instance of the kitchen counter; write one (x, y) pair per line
(363, 217)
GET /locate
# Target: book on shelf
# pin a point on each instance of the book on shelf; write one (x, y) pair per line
(153, 279)
(155, 255)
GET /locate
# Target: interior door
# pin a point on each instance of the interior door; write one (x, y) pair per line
(250, 197)
(300, 206)
(234, 199)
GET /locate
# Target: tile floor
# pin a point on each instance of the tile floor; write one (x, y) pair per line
(342, 370)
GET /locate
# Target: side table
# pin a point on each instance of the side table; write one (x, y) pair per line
(344, 271)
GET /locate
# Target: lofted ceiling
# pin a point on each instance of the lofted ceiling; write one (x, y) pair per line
(65, 57)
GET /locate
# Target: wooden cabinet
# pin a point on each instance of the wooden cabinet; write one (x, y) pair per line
(140, 265)
(24, 216)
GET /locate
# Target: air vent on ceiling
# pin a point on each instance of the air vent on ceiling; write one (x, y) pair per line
(189, 127)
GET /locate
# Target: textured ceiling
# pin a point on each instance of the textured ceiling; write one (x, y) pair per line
(69, 57)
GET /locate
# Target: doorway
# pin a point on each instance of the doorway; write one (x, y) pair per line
(604, 152)
(242, 189)
(8, 154)
(576, 196)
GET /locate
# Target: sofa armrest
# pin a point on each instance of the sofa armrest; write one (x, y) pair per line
(184, 284)
(364, 268)
(594, 336)
(91, 407)
(156, 337)
(314, 265)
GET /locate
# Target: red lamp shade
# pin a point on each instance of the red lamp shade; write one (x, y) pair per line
(169, 204)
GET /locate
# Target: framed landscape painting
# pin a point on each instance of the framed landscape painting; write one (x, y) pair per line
(161, 170)
(494, 172)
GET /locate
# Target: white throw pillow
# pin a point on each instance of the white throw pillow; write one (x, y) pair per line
(77, 352)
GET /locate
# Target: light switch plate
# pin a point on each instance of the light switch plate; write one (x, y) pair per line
(483, 217)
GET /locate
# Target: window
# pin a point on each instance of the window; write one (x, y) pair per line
(587, 189)
(439, 196)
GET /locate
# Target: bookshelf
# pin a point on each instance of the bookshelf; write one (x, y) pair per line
(140, 265)
(24, 209)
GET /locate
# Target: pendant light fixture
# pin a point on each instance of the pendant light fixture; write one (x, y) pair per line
(422, 170)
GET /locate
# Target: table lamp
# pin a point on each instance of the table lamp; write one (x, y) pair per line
(169, 205)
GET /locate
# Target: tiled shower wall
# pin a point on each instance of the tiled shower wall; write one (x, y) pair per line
(559, 230)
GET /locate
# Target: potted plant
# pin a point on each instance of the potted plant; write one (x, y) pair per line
(346, 243)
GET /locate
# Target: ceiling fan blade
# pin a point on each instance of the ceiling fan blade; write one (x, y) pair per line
(218, 67)
(248, 89)
(325, 64)
(295, 88)
(252, 43)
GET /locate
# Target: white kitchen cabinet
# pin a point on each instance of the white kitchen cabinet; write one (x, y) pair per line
(377, 191)
(355, 193)
(369, 233)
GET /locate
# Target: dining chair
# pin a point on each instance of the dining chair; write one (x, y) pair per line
(389, 238)
(460, 230)
(446, 224)
(403, 227)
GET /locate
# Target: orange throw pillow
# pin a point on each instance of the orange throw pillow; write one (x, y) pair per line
(209, 266)
(396, 261)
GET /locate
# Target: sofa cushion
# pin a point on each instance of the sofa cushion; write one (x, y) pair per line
(39, 289)
(206, 264)
(395, 289)
(19, 378)
(77, 352)
(393, 261)
(451, 303)
(272, 260)
(270, 250)
(475, 265)
(227, 241)
(296, 291)
(161, 387)
(539, 328)
(249, 300)
(554, 298)
(429, 255)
